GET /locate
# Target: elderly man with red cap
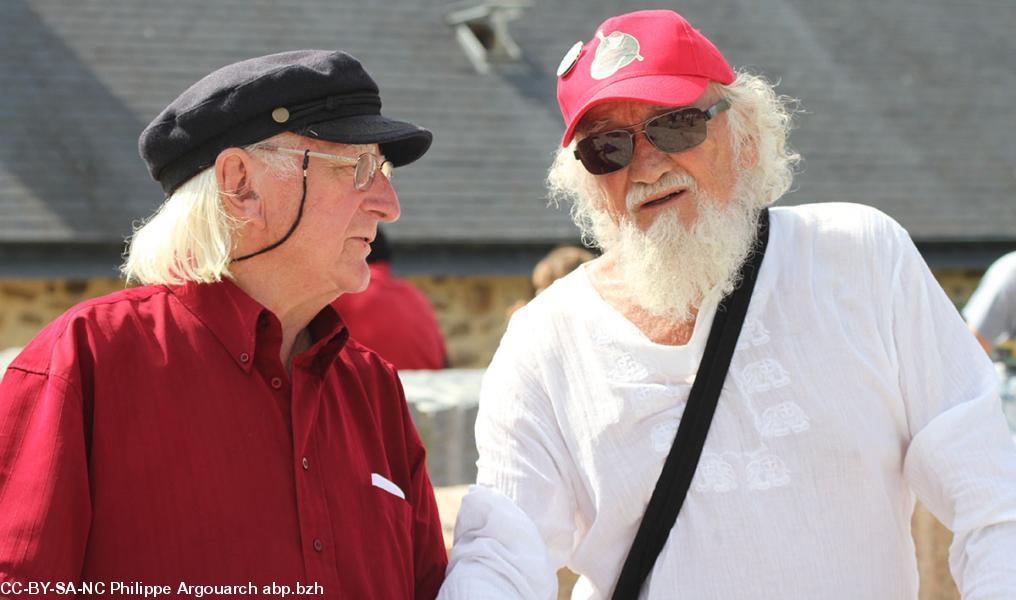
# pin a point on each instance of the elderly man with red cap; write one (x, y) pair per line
(732, 401)
(214, 431)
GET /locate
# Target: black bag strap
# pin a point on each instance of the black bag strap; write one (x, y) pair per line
(679, 468)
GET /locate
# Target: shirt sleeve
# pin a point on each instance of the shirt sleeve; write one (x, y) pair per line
(991, 311)
(498, 552)
(516, 527)
(45, 507)
(961, 461)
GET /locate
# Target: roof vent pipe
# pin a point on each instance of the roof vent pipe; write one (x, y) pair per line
(482, 30)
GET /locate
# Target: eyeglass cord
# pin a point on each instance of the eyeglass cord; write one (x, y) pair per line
(299, 214)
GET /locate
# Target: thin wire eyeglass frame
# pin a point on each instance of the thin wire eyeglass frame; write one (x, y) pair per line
(372, 162)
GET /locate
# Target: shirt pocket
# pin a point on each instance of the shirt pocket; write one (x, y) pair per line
(388, 524)
(393, 514)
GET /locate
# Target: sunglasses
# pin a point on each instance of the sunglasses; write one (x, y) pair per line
(675, 131)
(366, 166)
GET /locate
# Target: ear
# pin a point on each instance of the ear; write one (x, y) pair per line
(234, 174)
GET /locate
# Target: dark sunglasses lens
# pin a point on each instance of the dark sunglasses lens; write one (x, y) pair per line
(605, 152)
(678, 130)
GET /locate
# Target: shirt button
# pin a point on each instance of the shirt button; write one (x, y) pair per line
(318, 545)
(244, 357)
(305, 463)
(276, 382)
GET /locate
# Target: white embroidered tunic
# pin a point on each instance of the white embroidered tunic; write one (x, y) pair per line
(855, 386)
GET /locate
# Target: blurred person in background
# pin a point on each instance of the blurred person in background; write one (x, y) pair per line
(991, 310)
(559, 262)
(854, 386)
(991, 316)
(217, 425)
(556, 264)
(393, 318)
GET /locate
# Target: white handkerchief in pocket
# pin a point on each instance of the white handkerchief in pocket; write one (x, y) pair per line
(379, 481)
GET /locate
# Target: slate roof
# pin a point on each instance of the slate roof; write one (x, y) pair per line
(908, 106)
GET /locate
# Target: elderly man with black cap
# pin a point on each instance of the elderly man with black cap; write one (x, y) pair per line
(733, 401)
(216, 426)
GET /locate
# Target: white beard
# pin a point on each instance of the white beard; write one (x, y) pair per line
(670, 268)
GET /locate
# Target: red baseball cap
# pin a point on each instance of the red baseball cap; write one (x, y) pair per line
(652, 56)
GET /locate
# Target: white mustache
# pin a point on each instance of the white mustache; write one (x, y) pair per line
(640, 192)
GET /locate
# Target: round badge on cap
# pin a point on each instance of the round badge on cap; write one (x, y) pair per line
(280, 115)
(570, 58)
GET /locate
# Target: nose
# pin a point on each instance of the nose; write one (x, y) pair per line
(382, 200)
(648, 163)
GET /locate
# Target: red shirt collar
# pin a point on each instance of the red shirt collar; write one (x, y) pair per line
(236, 320)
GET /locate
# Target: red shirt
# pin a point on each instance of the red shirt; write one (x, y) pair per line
(394, 319)
(154, 436)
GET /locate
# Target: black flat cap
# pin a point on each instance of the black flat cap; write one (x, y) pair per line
(315, 93)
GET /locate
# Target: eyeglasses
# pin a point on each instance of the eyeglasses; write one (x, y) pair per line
(366, 165)
(675, 131)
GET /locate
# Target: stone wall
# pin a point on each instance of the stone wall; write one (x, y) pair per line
(27, 305)
(472, 311)
(958, 284)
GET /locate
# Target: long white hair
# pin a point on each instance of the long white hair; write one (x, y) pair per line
(758, 118)
(190, 237)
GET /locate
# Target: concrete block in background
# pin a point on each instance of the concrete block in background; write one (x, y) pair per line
(6, 356)
(443, 406)
(449, 499)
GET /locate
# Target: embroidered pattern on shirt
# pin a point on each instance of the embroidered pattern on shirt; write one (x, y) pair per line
(757, 469)
(753, 333)
(763, 375)
(766, 472)
(656, 391)
(714, 474)
(619, 364)
(625, 368)
(783, 419)
(662, 436)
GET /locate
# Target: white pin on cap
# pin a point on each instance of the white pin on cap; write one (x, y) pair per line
(616, 51)
(570, 58)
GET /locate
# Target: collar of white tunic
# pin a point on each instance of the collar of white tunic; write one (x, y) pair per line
(682, 361)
